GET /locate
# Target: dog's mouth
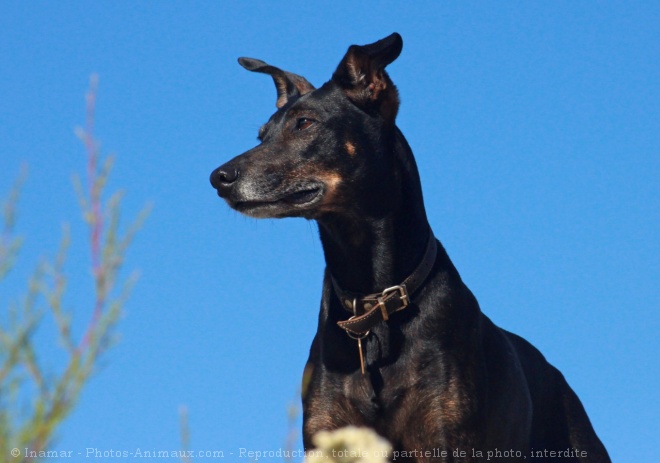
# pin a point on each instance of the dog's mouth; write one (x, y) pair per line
(301, 198)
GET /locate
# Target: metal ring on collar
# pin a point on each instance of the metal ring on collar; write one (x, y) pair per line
(357, 337)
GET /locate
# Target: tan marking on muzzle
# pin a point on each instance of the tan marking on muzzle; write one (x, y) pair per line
(331, 181)
(350, 148)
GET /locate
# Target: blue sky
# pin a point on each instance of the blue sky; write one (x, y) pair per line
(536, 127)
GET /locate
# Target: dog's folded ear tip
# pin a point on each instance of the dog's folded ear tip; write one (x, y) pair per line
(287, 84)
(251, 63)
(388, 48)
(394, 37)
(393, 40)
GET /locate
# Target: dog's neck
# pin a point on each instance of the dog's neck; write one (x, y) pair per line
(366, 254)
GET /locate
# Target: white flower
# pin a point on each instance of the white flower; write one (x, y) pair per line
(349, 445)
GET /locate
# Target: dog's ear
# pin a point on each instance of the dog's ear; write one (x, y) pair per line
(288, 84)
(361, 73)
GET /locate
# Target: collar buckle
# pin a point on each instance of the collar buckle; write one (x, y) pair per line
(389, 293)
(378, 307)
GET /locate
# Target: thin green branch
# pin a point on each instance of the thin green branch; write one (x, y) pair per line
(34, 401)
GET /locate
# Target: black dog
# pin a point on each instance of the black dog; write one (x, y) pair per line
(402, 346)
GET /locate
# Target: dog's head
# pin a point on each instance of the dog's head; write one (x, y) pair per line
(324, 150)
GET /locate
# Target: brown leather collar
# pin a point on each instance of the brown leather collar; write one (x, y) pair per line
(371, 309)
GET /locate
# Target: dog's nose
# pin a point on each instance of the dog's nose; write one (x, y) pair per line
(223, 177)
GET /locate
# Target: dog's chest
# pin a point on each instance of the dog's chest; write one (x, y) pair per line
(394, 392)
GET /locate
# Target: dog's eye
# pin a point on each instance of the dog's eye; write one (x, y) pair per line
(304, 123)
